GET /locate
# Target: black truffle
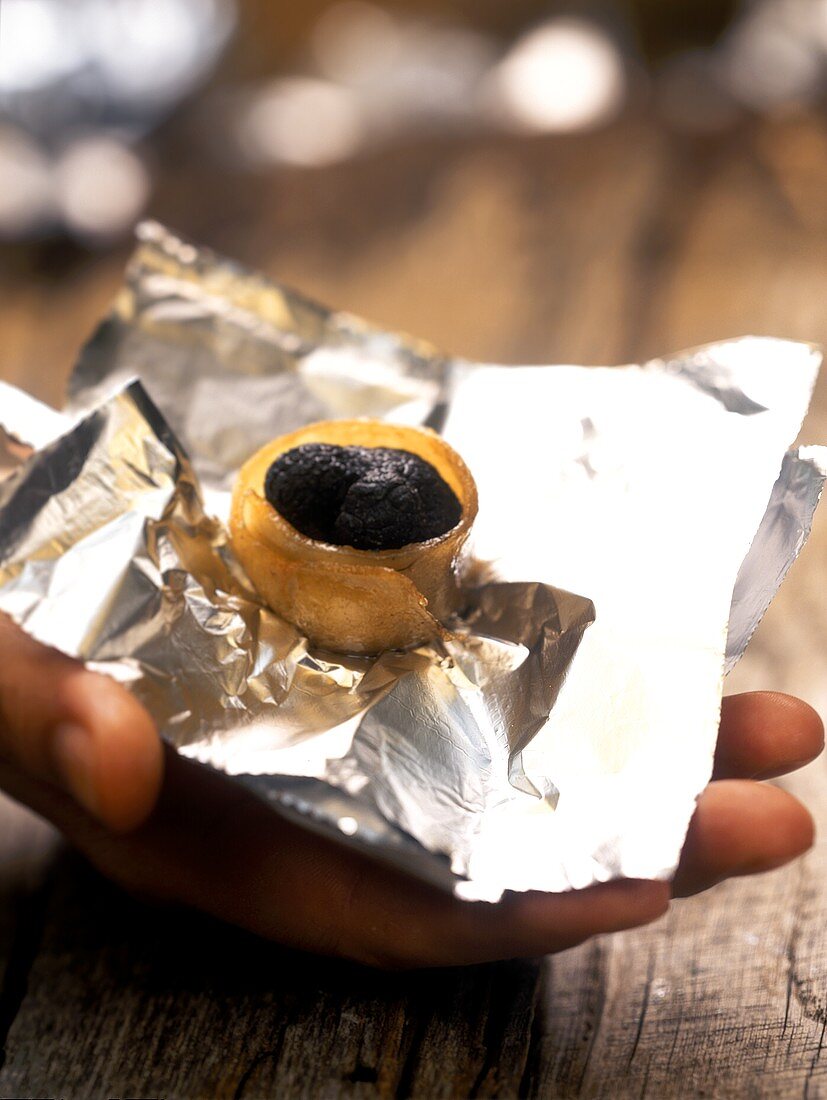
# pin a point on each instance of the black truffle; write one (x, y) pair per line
(371, 498)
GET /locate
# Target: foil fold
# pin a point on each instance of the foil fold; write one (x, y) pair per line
(235, 360)
(558, 739)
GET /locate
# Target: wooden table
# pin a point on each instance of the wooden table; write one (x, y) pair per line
(608, 247)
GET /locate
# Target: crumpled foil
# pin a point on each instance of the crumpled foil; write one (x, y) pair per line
(558, 739)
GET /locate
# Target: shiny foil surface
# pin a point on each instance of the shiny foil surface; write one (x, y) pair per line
(557, 739)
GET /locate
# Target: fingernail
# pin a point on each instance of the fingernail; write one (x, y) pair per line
(76, 761)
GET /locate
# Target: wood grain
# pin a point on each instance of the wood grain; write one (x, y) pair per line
(607, 247)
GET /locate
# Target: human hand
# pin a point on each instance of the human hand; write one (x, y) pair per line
(79, 750)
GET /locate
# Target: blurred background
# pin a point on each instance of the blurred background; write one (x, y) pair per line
(524, 181)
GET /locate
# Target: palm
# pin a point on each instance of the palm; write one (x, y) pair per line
(165, 827)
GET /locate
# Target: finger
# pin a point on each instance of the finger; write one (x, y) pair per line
(250, 866)
(764, 734)
(212, 845)
(66, 725)
(741, 828)
(422, 927)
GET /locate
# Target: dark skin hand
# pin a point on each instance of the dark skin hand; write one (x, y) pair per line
(87, 757)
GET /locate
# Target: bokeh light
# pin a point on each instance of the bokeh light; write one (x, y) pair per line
(302, 121)
(565, 75)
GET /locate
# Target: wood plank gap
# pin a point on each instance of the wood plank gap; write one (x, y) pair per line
(814, 1063)
(795, 982)
(664, 229)
(273, 1054)
(29, 924)
(499, 1022)
(647, 991)
(596, 977)
(407, 1075)
(534, 1049)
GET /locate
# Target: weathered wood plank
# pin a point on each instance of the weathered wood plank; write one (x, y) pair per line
(126, 1000)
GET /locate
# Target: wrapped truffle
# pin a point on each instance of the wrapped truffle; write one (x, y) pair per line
(556, 740)
(352, 530)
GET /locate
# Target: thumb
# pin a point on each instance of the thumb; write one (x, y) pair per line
(65, 725)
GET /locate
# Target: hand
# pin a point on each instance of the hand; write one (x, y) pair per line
(81, 751)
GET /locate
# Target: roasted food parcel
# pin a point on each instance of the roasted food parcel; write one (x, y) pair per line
(351, 530)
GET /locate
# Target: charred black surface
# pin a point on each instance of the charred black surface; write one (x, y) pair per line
(371, 498)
